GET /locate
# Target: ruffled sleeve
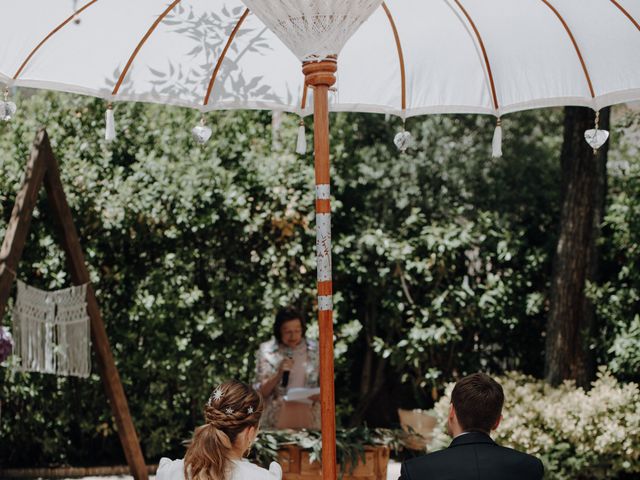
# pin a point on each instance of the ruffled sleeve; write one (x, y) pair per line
(275, 471)
(170, 469)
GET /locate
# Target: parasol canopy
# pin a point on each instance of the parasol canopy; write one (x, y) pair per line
(407, 58)
(397, 57)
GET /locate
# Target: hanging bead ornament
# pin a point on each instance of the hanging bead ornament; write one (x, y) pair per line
(403, 139)
(7, 109)
(496, 143)
(201, 133)
(110, 124)
(301, 144)
(596, 137)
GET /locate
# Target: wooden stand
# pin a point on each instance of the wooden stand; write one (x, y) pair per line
(43, 167)
(320, 76)
(297, 466)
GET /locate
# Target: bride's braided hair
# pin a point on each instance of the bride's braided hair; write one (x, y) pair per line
(232, 407)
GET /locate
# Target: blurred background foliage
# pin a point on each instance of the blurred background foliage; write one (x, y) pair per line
(442, 260)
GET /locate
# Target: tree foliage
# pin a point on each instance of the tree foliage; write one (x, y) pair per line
(441, 261)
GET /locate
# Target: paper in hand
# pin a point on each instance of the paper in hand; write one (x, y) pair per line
(301, 394)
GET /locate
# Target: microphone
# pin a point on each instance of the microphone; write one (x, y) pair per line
(285, 374)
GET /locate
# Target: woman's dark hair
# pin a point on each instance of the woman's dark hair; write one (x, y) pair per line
(284, 315)
(478, 400)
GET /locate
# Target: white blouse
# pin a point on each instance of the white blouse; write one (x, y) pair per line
(242, 470)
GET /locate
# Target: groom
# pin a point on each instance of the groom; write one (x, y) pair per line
(476, 406)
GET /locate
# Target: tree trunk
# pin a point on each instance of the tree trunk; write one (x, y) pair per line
(367, 364)
(571, 317)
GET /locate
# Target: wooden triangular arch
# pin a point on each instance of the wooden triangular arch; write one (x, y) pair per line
(43, 168)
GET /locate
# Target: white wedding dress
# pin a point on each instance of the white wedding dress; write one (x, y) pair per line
(242, 470)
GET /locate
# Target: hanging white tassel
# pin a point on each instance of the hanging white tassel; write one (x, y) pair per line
(496, 144)
(110, 128)
(7, 108)
(596, 137)
(301, 144)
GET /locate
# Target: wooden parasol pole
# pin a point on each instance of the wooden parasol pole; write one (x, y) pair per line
(320, 76)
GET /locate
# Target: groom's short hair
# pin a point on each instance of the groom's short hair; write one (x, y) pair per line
(477, 400)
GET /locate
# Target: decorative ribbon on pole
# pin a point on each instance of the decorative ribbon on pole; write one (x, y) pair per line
(321, 76)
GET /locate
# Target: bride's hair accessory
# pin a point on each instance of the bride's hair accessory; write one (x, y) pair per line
(232, 407)
(215, 396)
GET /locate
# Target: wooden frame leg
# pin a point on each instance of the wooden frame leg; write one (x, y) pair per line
(43, 168)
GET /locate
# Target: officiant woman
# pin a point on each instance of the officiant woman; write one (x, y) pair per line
(288, 360)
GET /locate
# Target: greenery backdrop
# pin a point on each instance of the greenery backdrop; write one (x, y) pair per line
(442, 260)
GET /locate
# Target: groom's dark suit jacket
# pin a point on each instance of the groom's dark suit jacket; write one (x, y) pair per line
(473, 456)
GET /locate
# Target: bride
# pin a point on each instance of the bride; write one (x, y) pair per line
(217, 448)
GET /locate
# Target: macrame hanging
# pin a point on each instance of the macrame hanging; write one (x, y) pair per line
(313, 29)
(52, 332)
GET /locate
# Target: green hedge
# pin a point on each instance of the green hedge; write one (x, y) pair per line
(441, 261)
